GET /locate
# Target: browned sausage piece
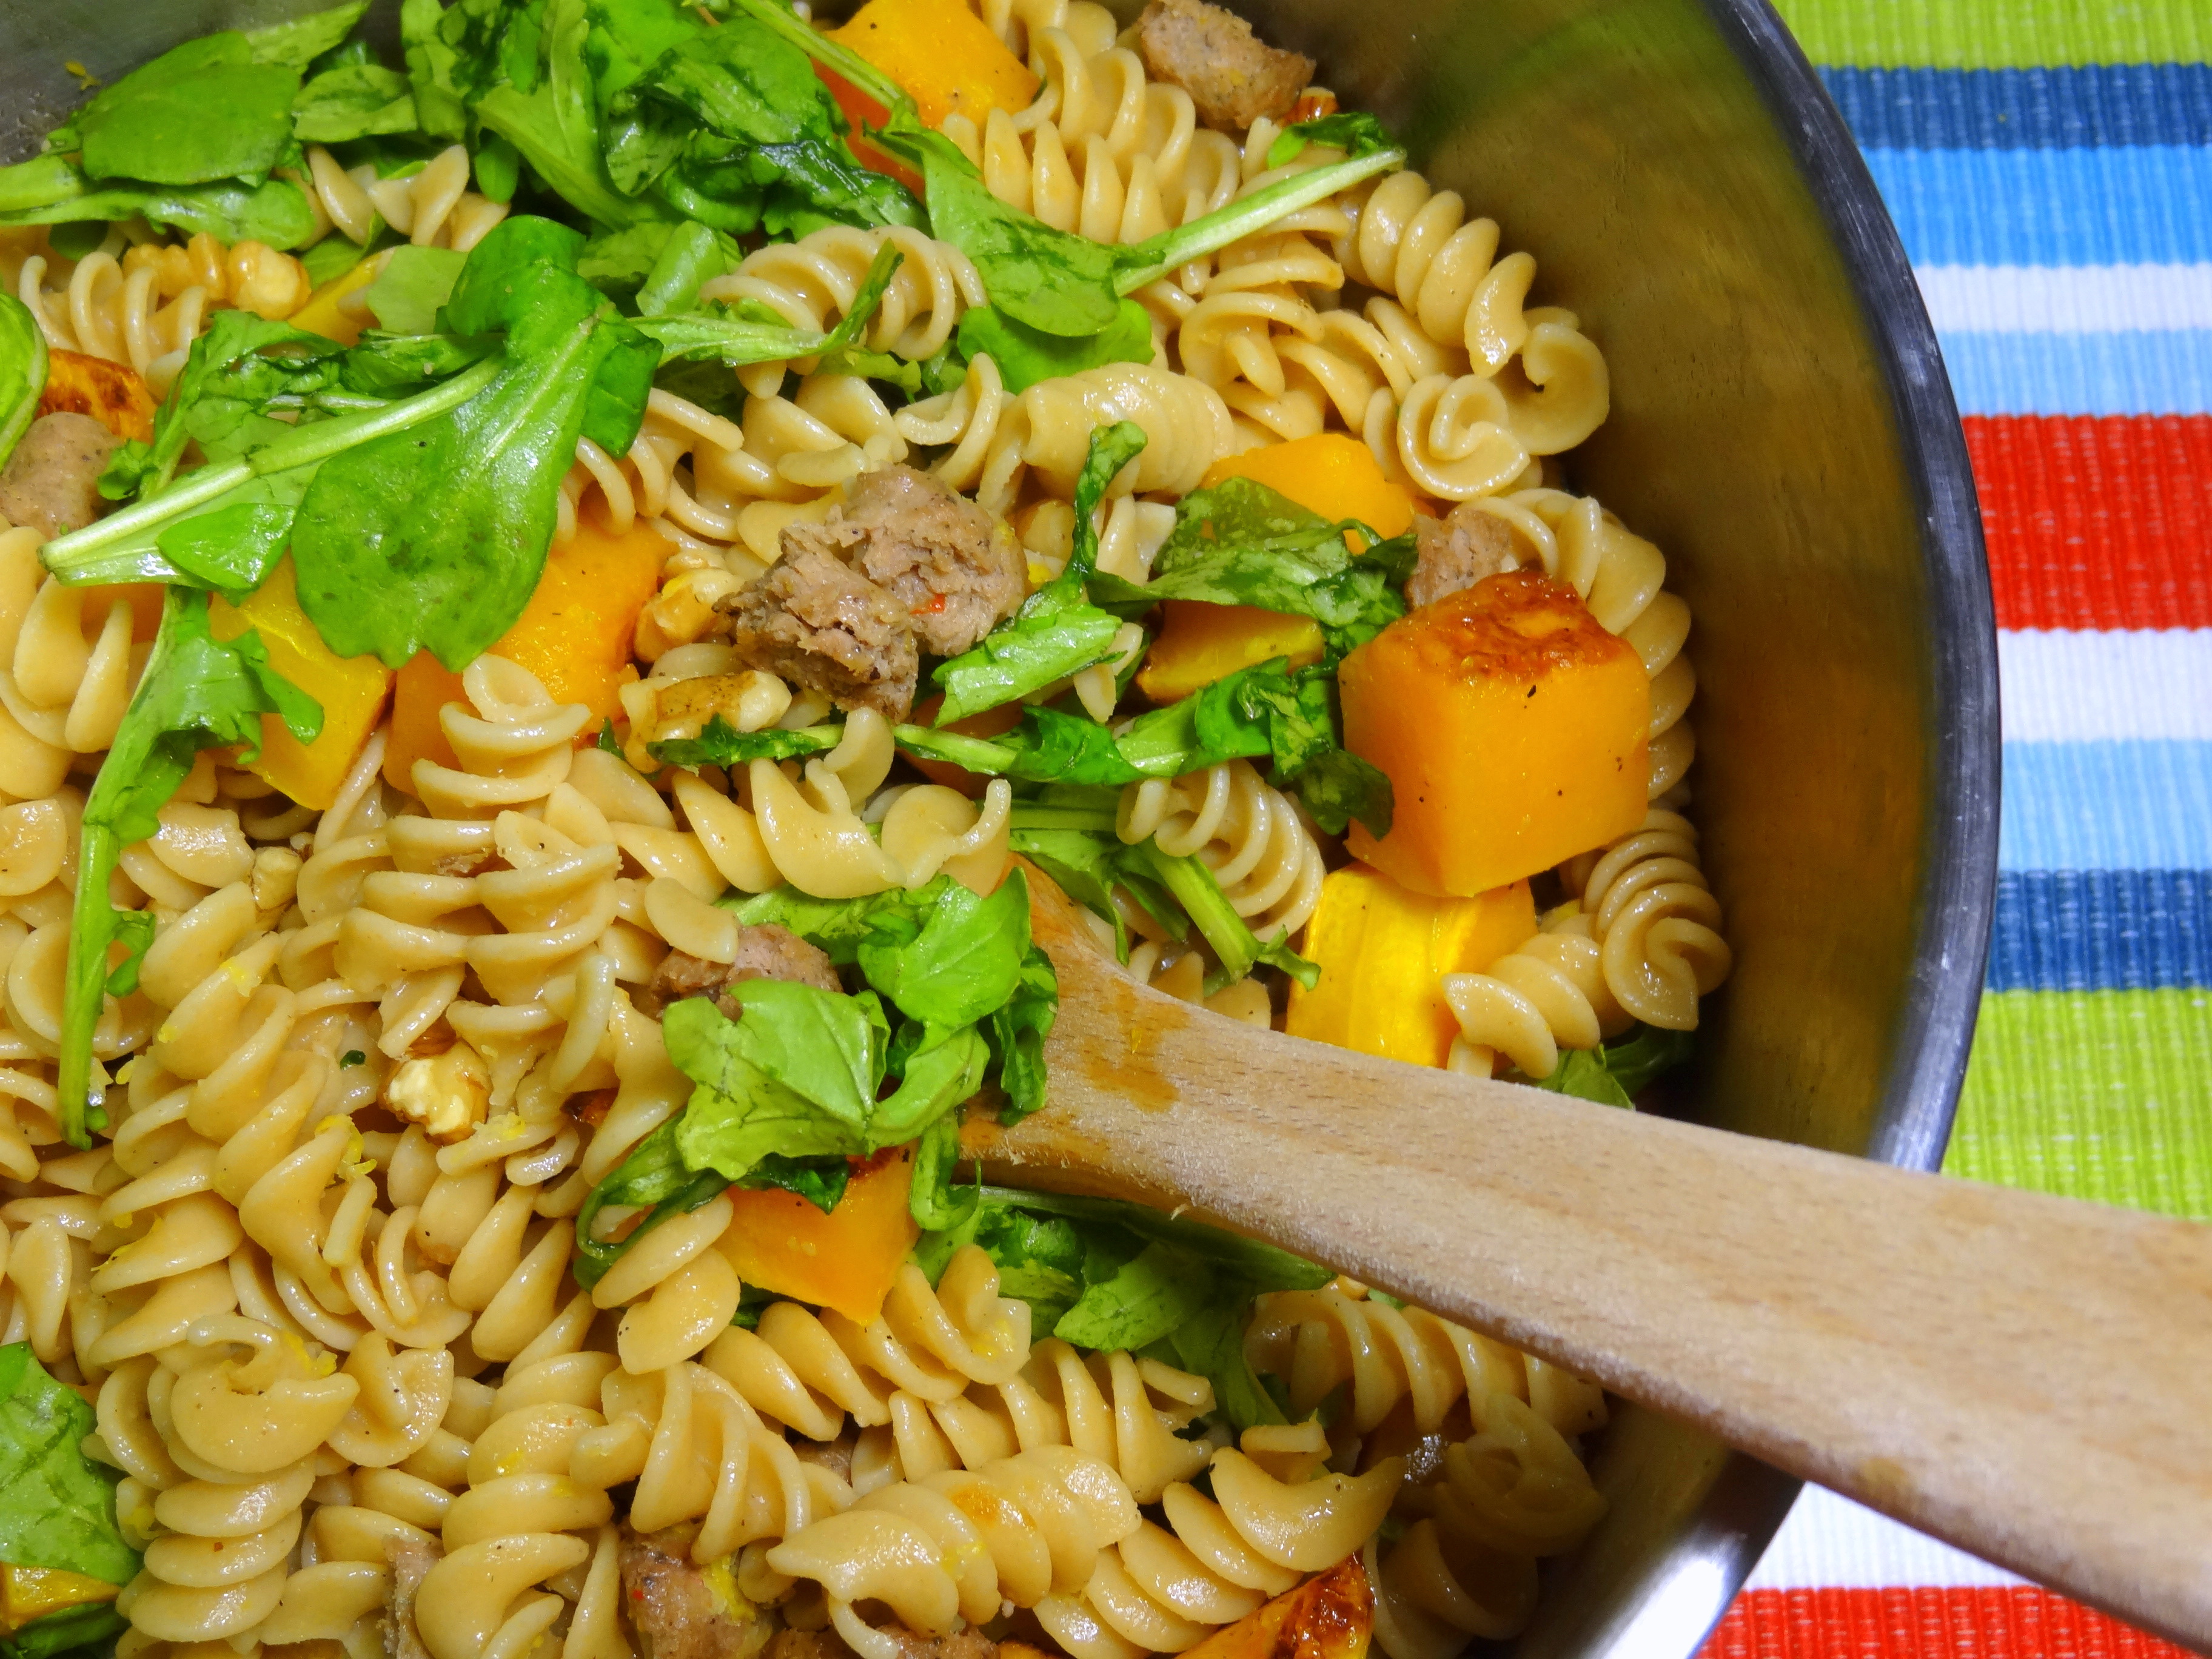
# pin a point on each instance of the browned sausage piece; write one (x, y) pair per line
(955, 568)
(767, 951)
(674, 1608)
(1211, 54)
(52, 482)
(819, 622)
(1457, 552)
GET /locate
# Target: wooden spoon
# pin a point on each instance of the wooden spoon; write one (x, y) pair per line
(2027, 1377)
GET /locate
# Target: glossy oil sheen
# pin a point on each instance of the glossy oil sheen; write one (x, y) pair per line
(1783, 428)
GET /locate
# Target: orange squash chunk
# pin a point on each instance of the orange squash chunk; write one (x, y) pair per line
(575, 635)
(114, 394)
(845, 1260)
(352, 690)
(1330, 1616)
(943, 54)
(1513, 729)
(1329, 474)
(1382, 951)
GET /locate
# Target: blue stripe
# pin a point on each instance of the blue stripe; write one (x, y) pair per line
(2137, 806)
(2101, 930)
(2163, 374)
(2050, 207)
(2099, 104)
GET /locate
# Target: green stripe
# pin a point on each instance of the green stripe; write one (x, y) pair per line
(2092, 1094)
(1999, 34)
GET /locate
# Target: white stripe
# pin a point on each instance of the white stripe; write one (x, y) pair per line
(1829, 1541)
(2145, 685)
(2067, 299)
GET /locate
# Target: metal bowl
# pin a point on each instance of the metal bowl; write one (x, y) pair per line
(1782, 427)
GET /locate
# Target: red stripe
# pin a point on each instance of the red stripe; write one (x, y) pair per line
(2005, 1623)
(2097, 522)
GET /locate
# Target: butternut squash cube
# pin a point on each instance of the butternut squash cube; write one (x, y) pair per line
(114, 394)
(575, 635)
(1328, 473)
(1383, 952)
(1514, 730)
(325, 313)
(1330, 1616)
(944, 54)
(1200, 643)
(844, 1260)
(352, 690)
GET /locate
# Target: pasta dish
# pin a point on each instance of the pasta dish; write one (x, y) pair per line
(560, 593)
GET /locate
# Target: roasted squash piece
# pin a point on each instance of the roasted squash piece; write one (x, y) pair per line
(29, 1593)
(1513, 729)
(352, 690)
(114, 394)
(1329, 474)
(575, 635)
(943, 54)
(1330, 1616)
(325, 314)
(845, 1259)
(1383, 951)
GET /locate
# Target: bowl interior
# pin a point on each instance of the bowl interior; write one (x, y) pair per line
(1782, 428)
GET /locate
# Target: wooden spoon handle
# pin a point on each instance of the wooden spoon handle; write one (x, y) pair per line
(2027, 1377)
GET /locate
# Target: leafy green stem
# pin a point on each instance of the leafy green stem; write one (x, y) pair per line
(1148, 260)
(865, 76)
(74, 557)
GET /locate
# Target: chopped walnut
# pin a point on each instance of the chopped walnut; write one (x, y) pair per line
(448, 1094)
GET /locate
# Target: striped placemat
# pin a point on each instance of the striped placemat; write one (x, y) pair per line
(2049, 164)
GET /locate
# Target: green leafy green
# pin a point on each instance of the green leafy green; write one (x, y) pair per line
(295, 44)
(654, 1178)
(1106, 1274)
(693, 255)
(354, 100)
(720, 744)
(750, 334)
(1026, 355)
(60, 1510)
(798, 1076)
(1057, 632)
(732, 127)
(1016, 1030)
(87, 1630)
(964, 964)
(820, 1181)
(414, 285)
(1241, 543)
(1235, 945)
(196, 692)
(1614, 1073)
(23, 372)
(935, 1196)
(1355, 132)
(389, 566)
(52, 189)
(200, 112)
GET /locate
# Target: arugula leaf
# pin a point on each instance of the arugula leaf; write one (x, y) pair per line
(1356, 132)
(1211, 1342)
(1614, 1073)
(618, 263)
(935, 1198)
(966, 962)
(196, 693)
(1049, 280)
(840, 926)
(749, 334)
(820, 1181)
(654, 1178)
(1234, 945)
(1040, 1259)
(1146, 1298)
(1026, 355)
(52, 189)
(1056, 632)
(23, 372)
(732, 127)
(1016, 1030)
(414, 284)
(200, 112)
(295, 44)
(60, 1510)
(387, 565)
(87, 1630)
(799, 1074)
(1241, 543)
(354, 100)
(720, 744)
(693, 256)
